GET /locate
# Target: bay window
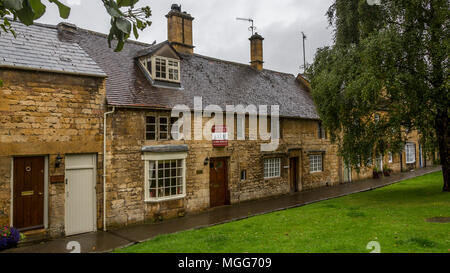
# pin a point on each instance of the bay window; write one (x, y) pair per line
(165, 176)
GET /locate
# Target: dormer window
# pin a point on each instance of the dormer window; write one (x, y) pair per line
(163, 68)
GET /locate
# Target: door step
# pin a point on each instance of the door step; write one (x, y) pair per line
(33, 237)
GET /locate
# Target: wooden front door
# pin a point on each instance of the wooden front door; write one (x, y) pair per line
(293, 166)
(28, 197)
(218, 182)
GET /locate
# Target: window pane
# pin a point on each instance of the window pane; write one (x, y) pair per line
(315, 163)
(272, 167)
(153, 193)
(150, 128)
(150, 136)
(169, 179)
(149, 66)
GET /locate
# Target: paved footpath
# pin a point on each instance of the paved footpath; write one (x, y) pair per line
(108, 241)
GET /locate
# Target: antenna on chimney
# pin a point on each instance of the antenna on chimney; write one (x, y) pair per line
(304, 52)
(252, 28)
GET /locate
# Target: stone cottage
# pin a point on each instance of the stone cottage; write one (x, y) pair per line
(62, 84)
(51, 112)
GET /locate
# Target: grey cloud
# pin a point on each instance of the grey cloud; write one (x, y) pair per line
(218, 34)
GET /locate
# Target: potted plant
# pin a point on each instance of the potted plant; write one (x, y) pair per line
(376, 173)
(387, 172)
(9, 237)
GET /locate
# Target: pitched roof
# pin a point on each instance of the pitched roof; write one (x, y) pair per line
(216, 81)
(37, 47)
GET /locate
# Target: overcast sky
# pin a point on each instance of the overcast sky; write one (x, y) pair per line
(218, 34)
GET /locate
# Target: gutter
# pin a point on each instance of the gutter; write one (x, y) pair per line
(73, 73)
(104, 165)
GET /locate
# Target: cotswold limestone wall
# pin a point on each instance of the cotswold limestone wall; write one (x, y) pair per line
(398, 161)
(125, 177)
(47, 114)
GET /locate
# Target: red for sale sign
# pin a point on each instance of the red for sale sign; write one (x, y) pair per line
(219, 136)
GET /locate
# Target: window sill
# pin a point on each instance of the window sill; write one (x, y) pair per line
(271, 178)
(159, 200)
(316, 172)
(412, 162)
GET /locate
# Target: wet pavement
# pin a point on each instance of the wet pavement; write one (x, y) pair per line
(108, 241)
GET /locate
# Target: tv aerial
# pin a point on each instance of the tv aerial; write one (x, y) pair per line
(304, 51)
(252, 28)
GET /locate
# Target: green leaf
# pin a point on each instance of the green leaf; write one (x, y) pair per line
(37, 7)
(126, 3)
(135, 31)
(140, 24)
(120, 44)
(13, 4)
(1, 83)
(26, 15)
(123, 25)
(64, 11)
(113, 9)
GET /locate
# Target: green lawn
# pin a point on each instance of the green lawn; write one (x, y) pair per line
(394, 216)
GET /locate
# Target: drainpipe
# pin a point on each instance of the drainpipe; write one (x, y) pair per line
(104, 166)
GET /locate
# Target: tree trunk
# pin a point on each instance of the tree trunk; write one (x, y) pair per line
(443, 136)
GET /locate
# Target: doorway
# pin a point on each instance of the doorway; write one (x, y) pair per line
(218, 182)
(28, 193)
(293, 167)
(80, 194)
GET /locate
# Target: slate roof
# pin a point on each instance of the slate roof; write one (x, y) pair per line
(37, 47)
(216, 81)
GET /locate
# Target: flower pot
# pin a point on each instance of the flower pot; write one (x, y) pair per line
(9, 237)
(377, 175)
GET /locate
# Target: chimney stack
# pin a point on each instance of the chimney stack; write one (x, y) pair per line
(179, 30)
(256, 51)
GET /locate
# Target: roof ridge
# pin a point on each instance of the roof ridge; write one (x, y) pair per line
(106, 36)
(237, 63)
(34, 24)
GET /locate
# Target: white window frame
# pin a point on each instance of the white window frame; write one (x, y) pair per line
(391, 158)
(153, 59)
(315, 163)
(147, 157)
(272, 167)
(408, 147)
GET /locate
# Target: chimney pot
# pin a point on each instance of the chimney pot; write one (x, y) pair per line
(176, 7)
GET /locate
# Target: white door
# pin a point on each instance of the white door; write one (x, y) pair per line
(80, 194)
